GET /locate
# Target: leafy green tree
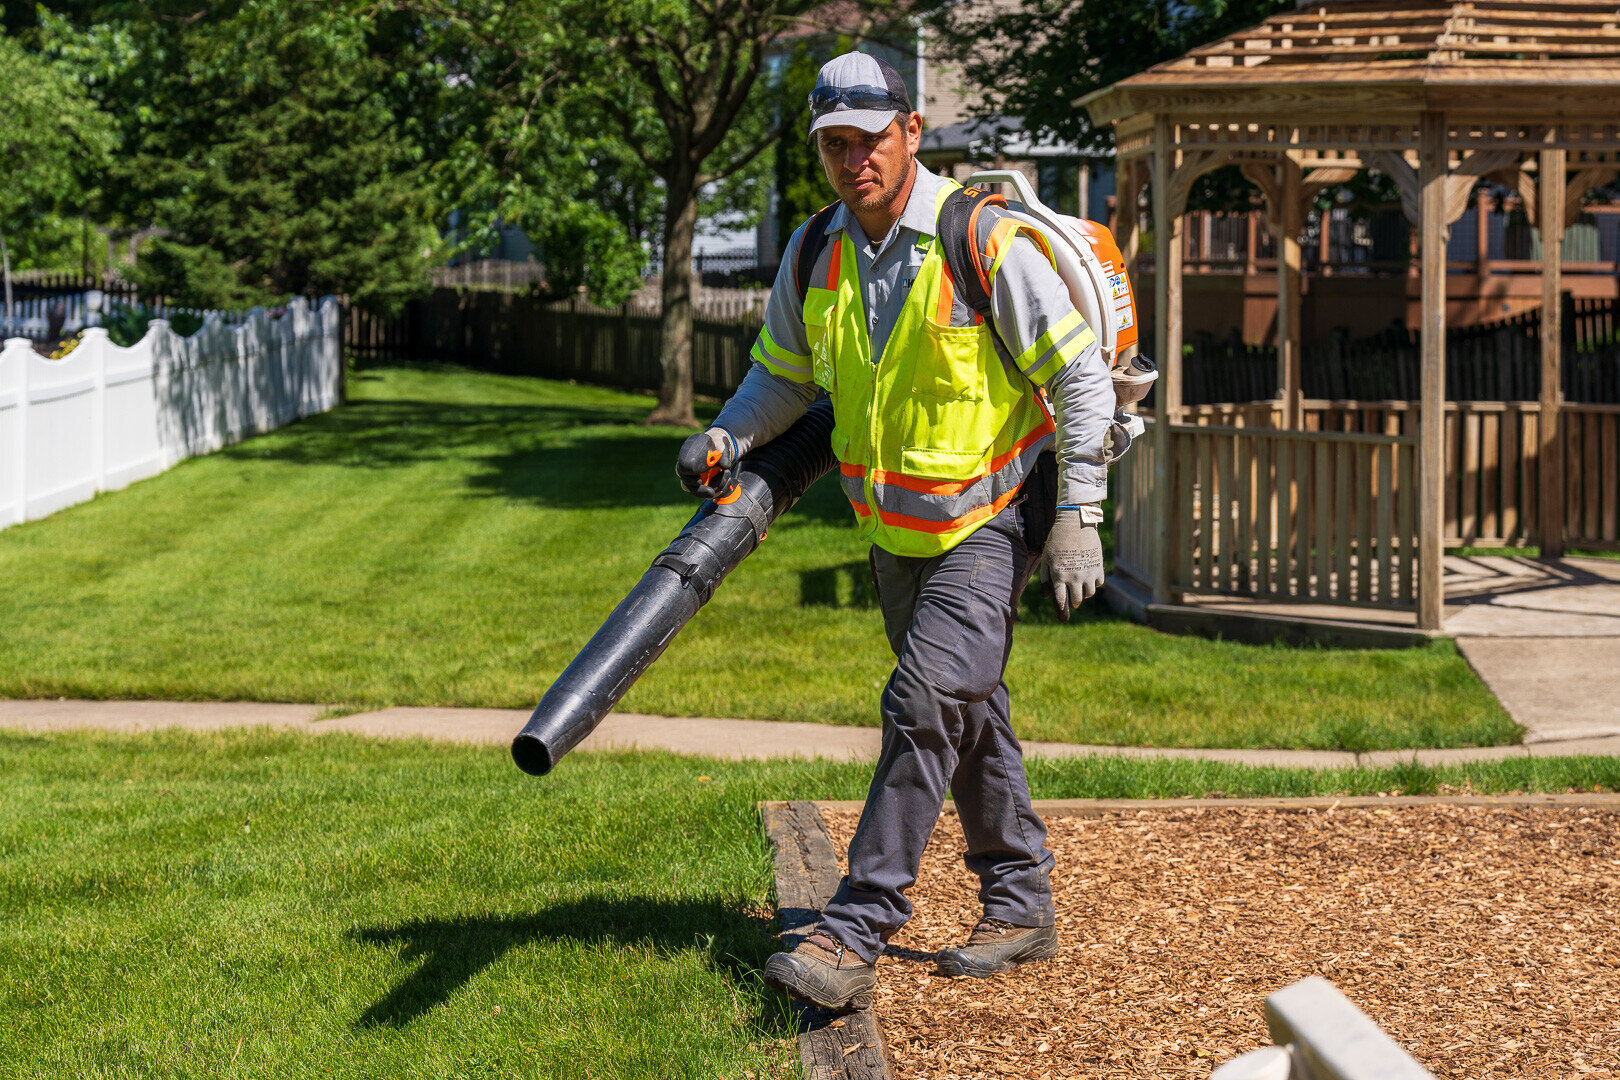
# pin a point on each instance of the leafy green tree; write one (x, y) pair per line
(528, 147)
(262, 138)
(53, 140)
(671, 96)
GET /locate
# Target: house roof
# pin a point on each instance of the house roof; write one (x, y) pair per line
(982, 138)
(1329, 56)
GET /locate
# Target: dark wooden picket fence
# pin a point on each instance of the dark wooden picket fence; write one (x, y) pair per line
(1498, 361)
(31, 284)
(519, 334)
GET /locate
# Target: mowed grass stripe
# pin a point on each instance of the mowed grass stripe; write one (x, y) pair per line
(454, 538)
(281, 906)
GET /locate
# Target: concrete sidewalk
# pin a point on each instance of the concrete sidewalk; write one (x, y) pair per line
(731, 739)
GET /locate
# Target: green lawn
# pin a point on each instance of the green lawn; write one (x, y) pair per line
(264, 904)
(453, 538)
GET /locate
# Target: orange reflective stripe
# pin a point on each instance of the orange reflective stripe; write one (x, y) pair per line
(998, 236)
(832, 264)
(1040, 242)
(954, 487)
(906, 521)
(847, 469)
(973, 234)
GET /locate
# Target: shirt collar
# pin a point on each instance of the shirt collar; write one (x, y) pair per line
(921, 210)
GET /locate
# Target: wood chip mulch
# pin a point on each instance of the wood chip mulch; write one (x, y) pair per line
(1484, 940)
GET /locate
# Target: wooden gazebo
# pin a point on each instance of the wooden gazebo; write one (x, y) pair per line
(1435, 96)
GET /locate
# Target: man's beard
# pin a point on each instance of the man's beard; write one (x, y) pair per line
(882, 199)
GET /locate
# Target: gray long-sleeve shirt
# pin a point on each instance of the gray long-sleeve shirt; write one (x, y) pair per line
(1028, 302)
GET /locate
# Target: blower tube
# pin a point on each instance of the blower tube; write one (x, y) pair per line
(724, 532)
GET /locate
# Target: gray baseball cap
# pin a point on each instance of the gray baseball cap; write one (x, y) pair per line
(857, 90)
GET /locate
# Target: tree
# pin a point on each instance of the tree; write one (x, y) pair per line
(678, 87)
(528, 147)
(53, 140)
(262, 138)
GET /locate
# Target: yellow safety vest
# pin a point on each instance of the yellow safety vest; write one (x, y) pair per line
(935, 436)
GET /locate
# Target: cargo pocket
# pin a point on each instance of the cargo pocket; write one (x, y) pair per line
(818, 314)
(951, 366)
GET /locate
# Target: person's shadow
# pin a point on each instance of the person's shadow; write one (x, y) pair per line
(453, 951)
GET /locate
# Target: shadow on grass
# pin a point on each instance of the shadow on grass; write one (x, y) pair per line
(454, 951)
(597, 457)
(386, 434)
(845, 586)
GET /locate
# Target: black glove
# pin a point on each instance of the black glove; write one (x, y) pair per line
(705, 462)
(1071, 562)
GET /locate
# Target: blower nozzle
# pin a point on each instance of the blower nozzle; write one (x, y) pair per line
(724, 532)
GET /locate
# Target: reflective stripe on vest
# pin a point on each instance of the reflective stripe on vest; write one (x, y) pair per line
(935, 436)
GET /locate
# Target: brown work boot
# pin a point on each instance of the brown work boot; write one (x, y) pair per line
(996, 946)
(823, 972)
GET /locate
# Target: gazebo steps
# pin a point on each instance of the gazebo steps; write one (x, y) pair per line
(1258, 623)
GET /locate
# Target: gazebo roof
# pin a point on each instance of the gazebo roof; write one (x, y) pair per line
(1503, 58)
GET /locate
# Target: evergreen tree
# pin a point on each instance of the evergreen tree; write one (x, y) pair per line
(263, 139)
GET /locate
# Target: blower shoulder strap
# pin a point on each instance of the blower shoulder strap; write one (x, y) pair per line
(958, 233)
(812, 242)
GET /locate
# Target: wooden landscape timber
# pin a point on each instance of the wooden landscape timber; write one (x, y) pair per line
(847, 1045)
(1435, 96)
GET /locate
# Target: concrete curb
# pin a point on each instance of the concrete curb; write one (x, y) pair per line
(1086, 808)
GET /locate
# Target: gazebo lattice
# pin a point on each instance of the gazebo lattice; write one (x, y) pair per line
(1435, 97)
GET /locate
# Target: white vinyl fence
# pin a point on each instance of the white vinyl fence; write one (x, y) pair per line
(103, 416)
(31, 318)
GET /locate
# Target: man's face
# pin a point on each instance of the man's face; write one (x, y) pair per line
(869, 170)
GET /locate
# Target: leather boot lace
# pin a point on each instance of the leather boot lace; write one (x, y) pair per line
(826, 942)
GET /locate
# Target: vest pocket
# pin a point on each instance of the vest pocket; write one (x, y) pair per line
(942, 463)
(949, 424)
(818, 314)
(950, 366)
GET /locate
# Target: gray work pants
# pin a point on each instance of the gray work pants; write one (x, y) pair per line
(946, 721)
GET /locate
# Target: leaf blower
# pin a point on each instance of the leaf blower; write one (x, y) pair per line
(725, 531)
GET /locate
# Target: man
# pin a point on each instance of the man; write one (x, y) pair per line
(937, 425)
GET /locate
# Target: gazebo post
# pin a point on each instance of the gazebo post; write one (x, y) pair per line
(1127, 226)
(1289, 265)
(1433, 165)
(1550, 458)
(1167, 327)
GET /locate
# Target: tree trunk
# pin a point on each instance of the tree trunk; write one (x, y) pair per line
(675, 322)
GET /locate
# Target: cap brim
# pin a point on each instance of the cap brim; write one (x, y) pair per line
(870, 121)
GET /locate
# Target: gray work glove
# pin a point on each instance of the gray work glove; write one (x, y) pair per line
(705, 462)
(1071, 562)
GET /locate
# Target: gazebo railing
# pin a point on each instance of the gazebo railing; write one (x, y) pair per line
(1284, 516)
(1492, 450)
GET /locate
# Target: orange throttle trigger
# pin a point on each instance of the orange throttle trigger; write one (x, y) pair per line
(714, 471)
